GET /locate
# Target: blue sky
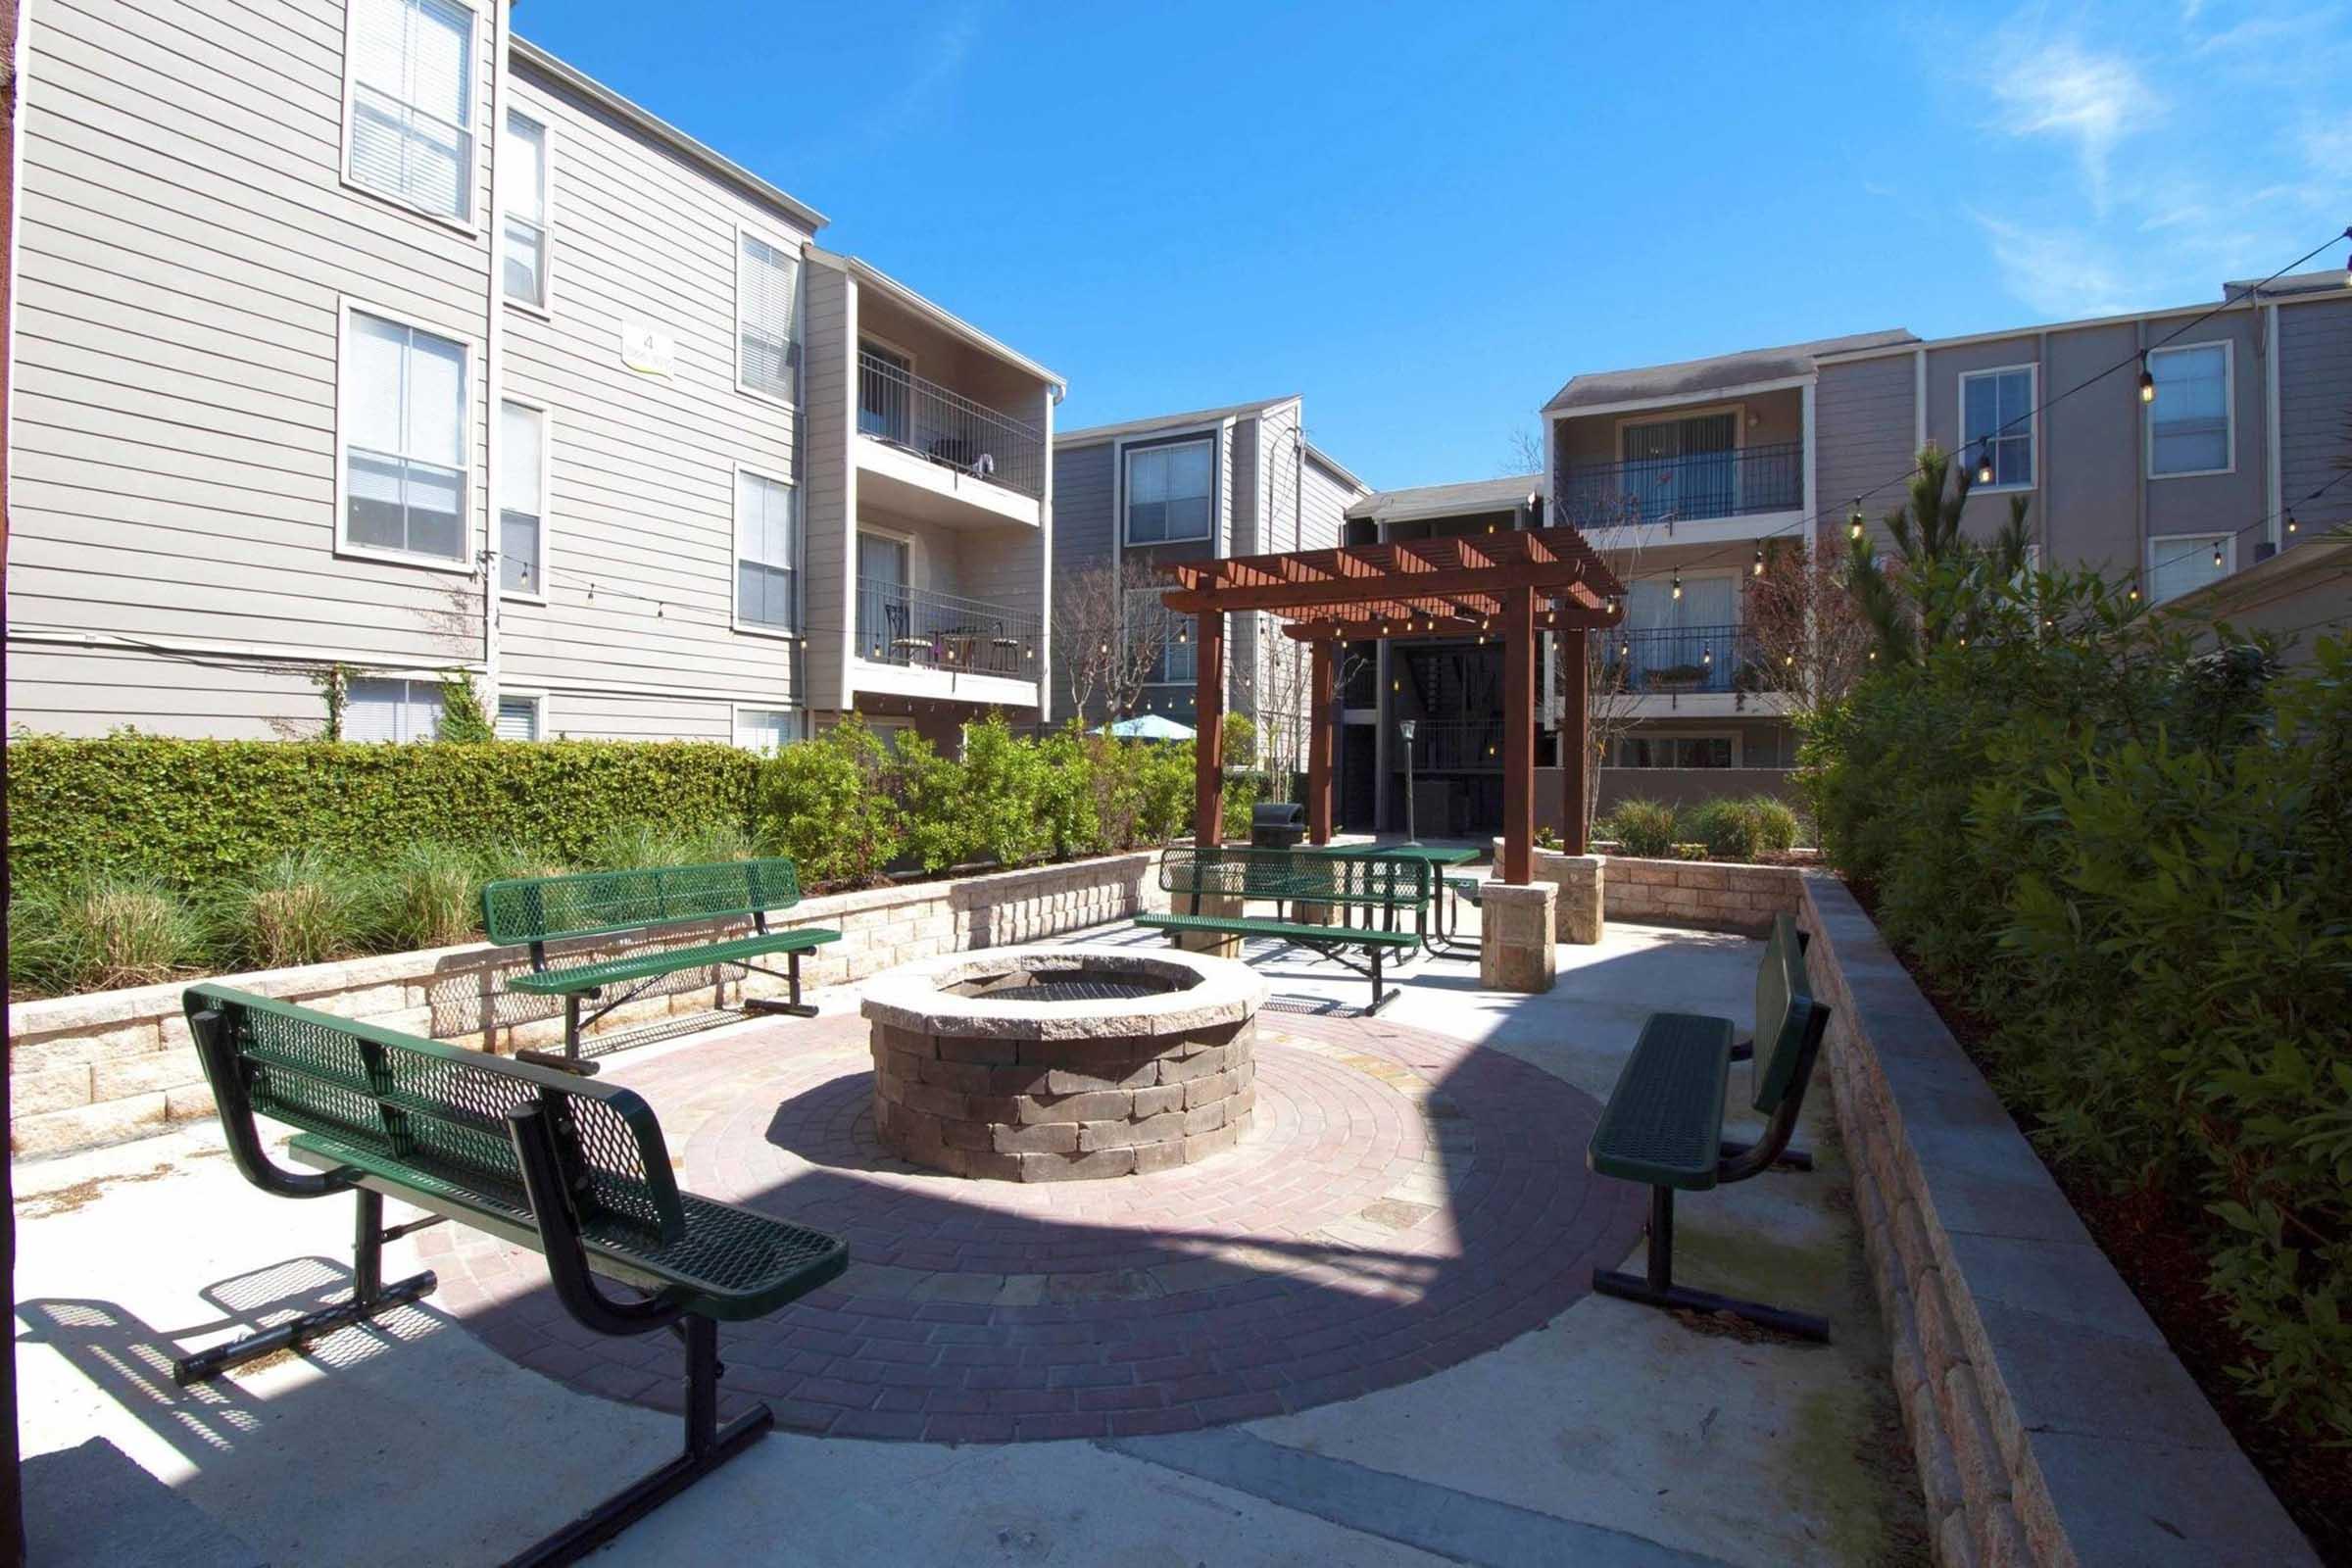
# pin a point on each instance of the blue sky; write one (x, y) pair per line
(1427, 216)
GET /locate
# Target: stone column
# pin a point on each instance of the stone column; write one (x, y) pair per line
(1515, 937)
(1579, 879)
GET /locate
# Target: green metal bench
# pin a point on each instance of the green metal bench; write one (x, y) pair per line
(1663, 1124)
(549, 908)
(576, 1171)
(1388, 885)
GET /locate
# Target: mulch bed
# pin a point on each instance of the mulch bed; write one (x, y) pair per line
(2155, 1240)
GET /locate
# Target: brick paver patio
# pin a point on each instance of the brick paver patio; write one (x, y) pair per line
(1404, 1202)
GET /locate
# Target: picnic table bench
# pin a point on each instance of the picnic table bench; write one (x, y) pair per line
(576, 1171)
(1390, 884)
(540, 910)
(1663, 1123)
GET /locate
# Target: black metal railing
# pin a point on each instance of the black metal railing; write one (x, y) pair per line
(1700, 485)
(915, 626)
(895, 405)
(1687, 659)
(1459, 746)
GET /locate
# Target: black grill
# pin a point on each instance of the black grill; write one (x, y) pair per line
(1066, 985)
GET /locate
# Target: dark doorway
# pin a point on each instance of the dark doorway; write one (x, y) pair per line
(1358, 773)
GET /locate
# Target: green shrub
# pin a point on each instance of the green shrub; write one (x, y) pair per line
(94, 933)
(202, 814)
(462, 719)
(1242, 795)
(824, 804)
(1739, 829)
(297, 908)
(2126, 858)
(430, 897)
(1642, 828)
(1163, 787)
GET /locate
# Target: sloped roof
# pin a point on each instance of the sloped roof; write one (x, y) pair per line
(1449, 500)
(1087, 435)
(1691, 377)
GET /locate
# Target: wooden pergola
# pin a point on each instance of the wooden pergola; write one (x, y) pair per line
(1508, 585)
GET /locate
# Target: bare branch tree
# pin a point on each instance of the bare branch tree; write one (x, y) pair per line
(1812, 639)
(1110, 633)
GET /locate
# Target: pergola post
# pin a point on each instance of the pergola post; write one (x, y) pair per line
(1576, 740)
(1319, 718)
(1518, 734)
(1208, 720)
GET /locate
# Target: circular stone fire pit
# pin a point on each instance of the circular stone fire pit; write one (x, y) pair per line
(1064, 1065)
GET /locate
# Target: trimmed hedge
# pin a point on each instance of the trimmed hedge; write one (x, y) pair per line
(194, 814)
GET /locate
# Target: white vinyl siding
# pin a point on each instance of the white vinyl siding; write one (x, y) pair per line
(378, 710)
(527, 257)
(767, 290)
(410, 105)
(523, 500)
(407, 482)
(768, 553)
(2180, 564)
(766, 729)
(1996, 422)
(1171, 492)
(2189, 422)
(519, 718)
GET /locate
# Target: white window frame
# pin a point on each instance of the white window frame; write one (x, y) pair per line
(735, 712)
(545, 308)
(346, 307)
(800, 571)
(2147, 426)
(2032, 428)
(408, 700)
(547, 504)
(2165, 546)
(470, 225)
(539, 709)
(1212, 438)
(775, 241)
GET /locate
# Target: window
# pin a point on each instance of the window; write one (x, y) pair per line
(2188, 425)
(376, 710)
(527, 206)
(405, 478)
(885, 380)
(519, 718)
(1178, 662)
(1675, 751)
(2180, 564)
(410, 113)
(523, 500)
(766, 280)
(766, 729)
(1996, 422)
(768, 553)
(1170, 492)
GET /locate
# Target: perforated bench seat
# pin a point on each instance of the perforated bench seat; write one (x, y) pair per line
(667, 961)
(1289, 930)
(1664, 1121)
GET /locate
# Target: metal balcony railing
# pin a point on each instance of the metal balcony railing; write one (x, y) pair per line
(1459, 746)
(915, 626)
(926, 418)
(1687, 659)
(1685, 489)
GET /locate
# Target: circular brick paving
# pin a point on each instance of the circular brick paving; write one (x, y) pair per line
(1405, 1201)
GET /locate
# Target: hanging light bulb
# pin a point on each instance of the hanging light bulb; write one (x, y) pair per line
(2290, 521)
(1183, 632)
(1788, 660)
(2348, 262)
(2148, 381)
(1677, 584)
(1102, 649)
(2133, 596)
(1396, 685)
(1874, 656)
(661, 610)
(2217, 555)
(1029, 649)
(1853, 523)
(1985, 464)
(592, 593)
(1624, 648)
(1755, 568)
(1706, 657)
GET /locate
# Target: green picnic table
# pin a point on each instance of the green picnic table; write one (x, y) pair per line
(1436, 856)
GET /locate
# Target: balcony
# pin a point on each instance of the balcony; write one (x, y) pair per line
(937, 455)
(1689, 662)
(1700, 486)
(1459, 746)
(919, 642)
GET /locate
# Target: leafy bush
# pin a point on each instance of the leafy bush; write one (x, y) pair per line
(2126, 858)
(93, 933)
(1739, 829)
(824, 803)
(1644, 828)
(298, 908)
(462, 719)
(202, 814)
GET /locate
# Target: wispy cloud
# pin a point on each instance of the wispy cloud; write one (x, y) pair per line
(2059, 273)
(2061, 88)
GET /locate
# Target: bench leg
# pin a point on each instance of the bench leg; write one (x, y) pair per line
(1379, 997)
(369, 1294)
(1786, 1159)
(570, 1061)
(707, 1446)
(1656, 1287)
(795, 1008)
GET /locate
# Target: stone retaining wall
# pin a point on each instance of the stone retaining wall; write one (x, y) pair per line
(109, 1066)
(2051, 1423)
(1723, 898)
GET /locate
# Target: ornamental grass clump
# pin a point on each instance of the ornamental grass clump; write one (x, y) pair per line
(296, 908)
(431, 896)
(1644, 829)
(96, 933)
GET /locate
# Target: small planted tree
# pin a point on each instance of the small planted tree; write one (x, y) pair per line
(1812, 640)
(1928, 536)
(1110, 633)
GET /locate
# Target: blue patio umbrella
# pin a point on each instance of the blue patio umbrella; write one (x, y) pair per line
(1149, 727)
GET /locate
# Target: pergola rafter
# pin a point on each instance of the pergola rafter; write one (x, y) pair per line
(1512, 585)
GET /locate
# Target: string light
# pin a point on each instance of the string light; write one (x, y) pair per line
(2217, 555)
(2148, 381)
(2348, 261)
(1853, 524)
(2133, 596)
(1184, 633)
(1985, 464)
(1756, 568)
(2290, 521)
(1706, 657)
(1678, 583)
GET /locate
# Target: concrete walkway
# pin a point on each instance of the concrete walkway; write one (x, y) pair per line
(1612, 1434)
